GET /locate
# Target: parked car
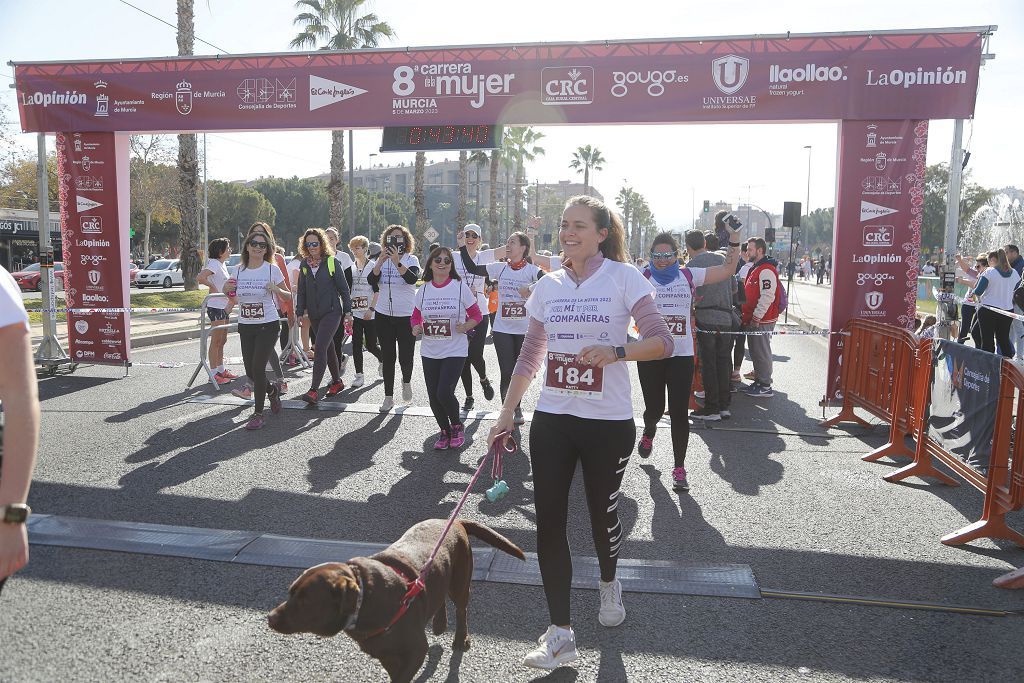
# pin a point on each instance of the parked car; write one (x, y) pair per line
(29, 279)
(133, 272)
(232, 264)
(162, 272)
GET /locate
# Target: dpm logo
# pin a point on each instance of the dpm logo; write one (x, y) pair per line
(878, 235)
(567, 85)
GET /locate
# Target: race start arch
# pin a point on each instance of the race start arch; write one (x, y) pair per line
(881, 87)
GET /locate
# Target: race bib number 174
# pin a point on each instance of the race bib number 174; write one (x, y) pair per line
(567, 377)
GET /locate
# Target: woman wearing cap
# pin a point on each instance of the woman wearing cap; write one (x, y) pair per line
(395, 273)
(446, 309)
(675, 289)
(322, 292)
(469, 238)
(254, 287)
(510, 278)
(578, 322)
(364, 298)
(218, 308)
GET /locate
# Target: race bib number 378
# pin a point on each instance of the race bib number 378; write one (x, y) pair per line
(567, 377)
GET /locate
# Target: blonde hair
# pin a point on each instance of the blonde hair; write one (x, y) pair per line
(359, 241)
(325, 247)
(269, 253)
(614, 245)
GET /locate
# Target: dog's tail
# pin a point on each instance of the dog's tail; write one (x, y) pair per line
(492, 537)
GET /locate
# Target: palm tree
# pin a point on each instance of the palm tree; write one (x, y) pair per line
(188, 166)
(460, 215)
(419, 199)
(335, 25)
(522, 147)
(587, 158)
(480, 158)
(492, 214)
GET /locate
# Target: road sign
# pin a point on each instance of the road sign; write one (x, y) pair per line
(430, 234)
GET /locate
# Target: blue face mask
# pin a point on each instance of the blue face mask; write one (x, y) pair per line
(664, 276)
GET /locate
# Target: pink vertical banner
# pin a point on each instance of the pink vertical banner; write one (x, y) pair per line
(92, 173)
(877, 239)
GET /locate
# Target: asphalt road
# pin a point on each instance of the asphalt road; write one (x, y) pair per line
(36, 296)
(770, 489)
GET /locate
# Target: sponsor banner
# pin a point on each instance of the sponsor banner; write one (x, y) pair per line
(877, 236)
(889, 76)
(964, 391)
(94, 234)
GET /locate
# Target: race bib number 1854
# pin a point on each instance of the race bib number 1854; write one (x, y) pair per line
(567, 377)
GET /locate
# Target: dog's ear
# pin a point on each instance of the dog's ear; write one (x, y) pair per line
(346, 588)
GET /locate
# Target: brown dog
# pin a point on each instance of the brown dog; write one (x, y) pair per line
(361, 596)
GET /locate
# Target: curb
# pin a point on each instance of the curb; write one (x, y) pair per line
(144, 340)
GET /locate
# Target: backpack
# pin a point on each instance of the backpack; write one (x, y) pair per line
(1018, 296)
(783, 298)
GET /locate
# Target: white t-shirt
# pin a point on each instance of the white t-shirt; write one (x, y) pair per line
(217, 280)
(396, 295)
(255, 304)
(511, 317)
(475, 282)
(442, 309)
(362, 292)
(12, 307)
(293, 270)
(343, 259)
(999, 292)
(596, 312)
(675, 303)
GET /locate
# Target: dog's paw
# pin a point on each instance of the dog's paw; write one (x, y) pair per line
(461, 643)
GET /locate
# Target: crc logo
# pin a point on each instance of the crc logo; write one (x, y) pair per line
(91, 225)
(730, 73)
(877, 278)
(654, 80)
(81, 326)
(567, 86)
(873, 300)
(878, 235)
(94, 277)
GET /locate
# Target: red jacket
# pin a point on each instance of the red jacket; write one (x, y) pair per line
(762, 290)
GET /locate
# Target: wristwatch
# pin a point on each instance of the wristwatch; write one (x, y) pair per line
(15, 513)
(620, 353)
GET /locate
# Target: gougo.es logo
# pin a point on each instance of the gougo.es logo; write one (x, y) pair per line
(654, 80)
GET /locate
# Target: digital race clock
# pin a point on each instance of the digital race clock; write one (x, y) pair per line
(440, 138)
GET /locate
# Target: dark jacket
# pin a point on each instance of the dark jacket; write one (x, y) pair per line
(320, 294)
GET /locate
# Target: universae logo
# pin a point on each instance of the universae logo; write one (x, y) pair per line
(730, 73)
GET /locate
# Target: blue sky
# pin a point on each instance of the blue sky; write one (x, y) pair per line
(674, 167)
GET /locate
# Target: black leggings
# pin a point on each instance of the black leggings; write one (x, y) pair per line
(257, 349)
(441, 375)
(603, 448)
(995, 328)
(392, 331)
(969, 325)
(325, 355)
(363, 328)
(675, 374)
(738, 351)
(475, 358)
(507, 346)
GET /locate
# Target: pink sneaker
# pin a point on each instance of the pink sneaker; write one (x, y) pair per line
(243, 392)
(645, 446)
(221, 379)
(227, 373)
(274, 394)
(442, 441)
(255, 422)
(458, 436)
(679, 482)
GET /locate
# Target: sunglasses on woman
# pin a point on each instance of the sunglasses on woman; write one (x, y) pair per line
(257, 244)
(443, 260)
(663, 254)
(310, 245)
(472, 236)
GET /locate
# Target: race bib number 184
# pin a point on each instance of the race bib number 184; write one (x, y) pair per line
(567, 377)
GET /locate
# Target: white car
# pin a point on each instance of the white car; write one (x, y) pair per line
(232, 264)
(160, 273)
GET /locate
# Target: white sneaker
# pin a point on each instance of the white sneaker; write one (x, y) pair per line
(406, 392)
(357, 381)
(612, 612)
(557, 647)
(387, 405)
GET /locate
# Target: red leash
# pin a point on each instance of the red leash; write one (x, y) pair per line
(504, 443)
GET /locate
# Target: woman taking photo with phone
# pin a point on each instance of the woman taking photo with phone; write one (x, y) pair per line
(254, 287)
(511, 278)
(578, 322)
(323, 293)
(394, 274)
(446, 309)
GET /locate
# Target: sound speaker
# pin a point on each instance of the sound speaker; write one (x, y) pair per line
(769, 235)
(791, 215)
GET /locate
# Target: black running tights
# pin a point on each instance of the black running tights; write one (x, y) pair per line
(257, 348)
(396, 342)
(676, 375)
(475, 357)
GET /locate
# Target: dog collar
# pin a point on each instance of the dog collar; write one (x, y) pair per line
(350, 624)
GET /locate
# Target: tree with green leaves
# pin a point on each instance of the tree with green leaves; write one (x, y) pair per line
(521, 147)
(336, 25)
(188, 168)
(460, 215)
(479, 158)
(973, 197)
(19, 186)
(153, 193)
(300, 203)
(583, 160)
(234, 207)
(419, 198)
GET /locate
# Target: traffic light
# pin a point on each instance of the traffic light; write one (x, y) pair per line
(707, 206)
(131, 233)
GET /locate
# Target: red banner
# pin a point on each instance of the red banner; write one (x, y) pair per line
(94, 232)
(826, 77)
(877, 238)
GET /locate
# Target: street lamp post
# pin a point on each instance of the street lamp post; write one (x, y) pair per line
(808, 209)
(369, 197)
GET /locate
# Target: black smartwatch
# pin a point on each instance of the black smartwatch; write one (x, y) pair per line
(620, 353)
(15, 513)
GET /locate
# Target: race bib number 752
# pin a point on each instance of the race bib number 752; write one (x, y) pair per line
(567, 377)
